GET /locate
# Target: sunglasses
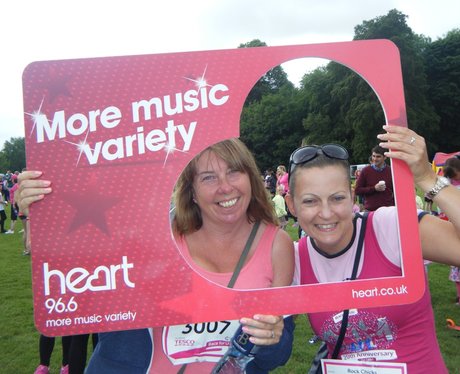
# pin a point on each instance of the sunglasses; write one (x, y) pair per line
(305, 154)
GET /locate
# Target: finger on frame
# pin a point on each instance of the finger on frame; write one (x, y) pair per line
(29, 174)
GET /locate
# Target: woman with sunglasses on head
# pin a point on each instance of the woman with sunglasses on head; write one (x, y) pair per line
(220, 201)
(321, 199)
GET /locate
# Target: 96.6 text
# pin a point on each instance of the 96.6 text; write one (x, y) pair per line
(60, 306)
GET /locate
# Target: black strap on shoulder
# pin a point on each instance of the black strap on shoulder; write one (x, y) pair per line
(237, 270)
(182, 369)
(359, 249)
(244, 254)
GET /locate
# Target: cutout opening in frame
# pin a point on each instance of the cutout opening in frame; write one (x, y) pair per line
(273, 82)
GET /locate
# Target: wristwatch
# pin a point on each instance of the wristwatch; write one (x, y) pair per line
(441, 182)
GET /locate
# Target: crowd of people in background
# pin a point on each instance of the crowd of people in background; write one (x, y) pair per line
(9, 181)
(278, 187)
(371, 187)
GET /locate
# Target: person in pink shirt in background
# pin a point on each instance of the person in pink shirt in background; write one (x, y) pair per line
(282, 179)
(14, 206)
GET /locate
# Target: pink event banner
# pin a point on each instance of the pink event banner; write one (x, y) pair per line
(113, 134)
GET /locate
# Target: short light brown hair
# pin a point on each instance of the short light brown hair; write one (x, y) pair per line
(188, 217)
(321, 161)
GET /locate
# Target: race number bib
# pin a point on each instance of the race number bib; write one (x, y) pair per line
(197, 342)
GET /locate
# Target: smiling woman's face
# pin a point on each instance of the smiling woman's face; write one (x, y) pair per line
(223, 194)
(323, 205)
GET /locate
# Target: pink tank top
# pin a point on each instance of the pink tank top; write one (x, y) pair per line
(256, 273)
(401, 333)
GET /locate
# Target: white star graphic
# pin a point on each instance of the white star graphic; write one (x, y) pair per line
(35, 115)
(170, 149)
(200, 82)
(80, 146)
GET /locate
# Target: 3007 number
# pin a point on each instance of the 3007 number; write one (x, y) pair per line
(208, 327)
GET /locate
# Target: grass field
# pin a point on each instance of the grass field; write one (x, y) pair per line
(19, 338)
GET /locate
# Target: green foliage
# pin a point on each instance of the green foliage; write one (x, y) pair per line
(270, 83)
(343, 109)
(442, 61)
(271, 127)
(420, 112)
(253, 43)
(384, 27)
(13, 155)
(271, 117)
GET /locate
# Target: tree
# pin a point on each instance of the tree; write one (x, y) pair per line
(270, 121)
(344, 108)
(13, 155)
(272, 127)
(421, 115)
(270, 82)
(442, 61)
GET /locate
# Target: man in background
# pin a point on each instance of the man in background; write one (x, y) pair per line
(375, 183)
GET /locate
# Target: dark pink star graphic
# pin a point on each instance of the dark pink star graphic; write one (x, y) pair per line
(91, 207)
(215, 298)
(56, 85)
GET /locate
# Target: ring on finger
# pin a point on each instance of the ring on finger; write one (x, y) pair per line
(412, 141)
(273, 334)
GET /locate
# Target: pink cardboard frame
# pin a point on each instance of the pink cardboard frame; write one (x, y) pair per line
(103, 255)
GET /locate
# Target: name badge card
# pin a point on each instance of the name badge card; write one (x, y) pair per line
(113, 134)
(360, 367)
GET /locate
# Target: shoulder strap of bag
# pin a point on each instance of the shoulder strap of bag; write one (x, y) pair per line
(244, 254)
(238, 268)
(359, 249)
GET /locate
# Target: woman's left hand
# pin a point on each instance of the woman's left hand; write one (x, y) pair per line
(263, 329)
(406, 145)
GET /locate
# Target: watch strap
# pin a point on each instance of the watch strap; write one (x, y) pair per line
(438, 186)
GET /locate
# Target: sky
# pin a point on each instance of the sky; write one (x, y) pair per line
(34, 30)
